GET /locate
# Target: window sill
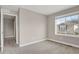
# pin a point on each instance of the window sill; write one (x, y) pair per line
(67, 35)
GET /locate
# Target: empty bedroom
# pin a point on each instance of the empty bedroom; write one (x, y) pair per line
(39, 29)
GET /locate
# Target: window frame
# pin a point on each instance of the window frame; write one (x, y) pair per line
(65, 15)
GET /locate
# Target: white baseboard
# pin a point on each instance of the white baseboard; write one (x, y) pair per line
(70, 44)
(22, 45)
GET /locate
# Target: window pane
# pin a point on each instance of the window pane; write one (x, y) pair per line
(68, 19)
(76, 29)
(68, 25)
(60, 21)
(74, 19)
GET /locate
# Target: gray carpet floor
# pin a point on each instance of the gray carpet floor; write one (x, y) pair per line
(44, 47)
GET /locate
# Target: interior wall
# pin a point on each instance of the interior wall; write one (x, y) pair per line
(51, 28)
(8, 28)
(32, 26)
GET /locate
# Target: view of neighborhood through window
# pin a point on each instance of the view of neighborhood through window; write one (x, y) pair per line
(68, 25)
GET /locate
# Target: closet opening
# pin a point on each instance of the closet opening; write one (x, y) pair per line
(9, 31)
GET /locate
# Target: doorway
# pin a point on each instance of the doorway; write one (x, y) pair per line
(9, 31)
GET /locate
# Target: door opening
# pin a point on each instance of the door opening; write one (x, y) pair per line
(9, 31)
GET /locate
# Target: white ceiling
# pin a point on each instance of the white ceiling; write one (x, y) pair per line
(42, 9)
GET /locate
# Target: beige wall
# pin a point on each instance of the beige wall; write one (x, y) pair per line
(51, 28)
(32, 26)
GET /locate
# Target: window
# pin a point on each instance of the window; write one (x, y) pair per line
(67, 25)
(61, 27)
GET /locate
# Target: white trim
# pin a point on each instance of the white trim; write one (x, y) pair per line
(68, 14)
(70, 44)
(10, 14)
(67, 35)
(17, 29)
(16, 25)
(2, 31)
(2, 28)
(32, 42)
(7, 12)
